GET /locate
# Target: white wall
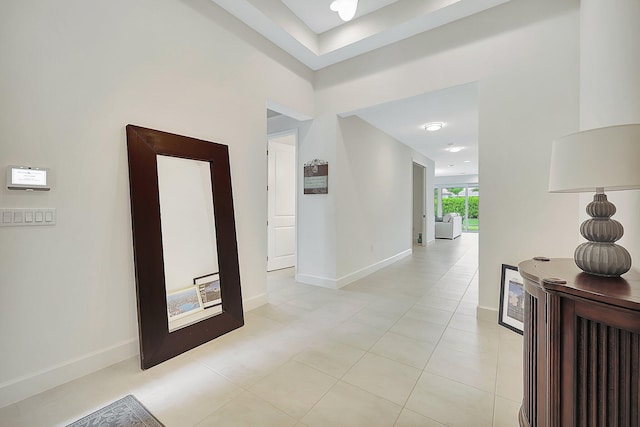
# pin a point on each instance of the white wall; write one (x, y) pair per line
(365, 220)
(458, 179)
(524, 56)
(374, 204)
(316, 262)
(520, 219)
(74, 74)
(610, 93)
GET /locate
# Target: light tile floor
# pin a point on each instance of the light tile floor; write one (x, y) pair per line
(401, 347)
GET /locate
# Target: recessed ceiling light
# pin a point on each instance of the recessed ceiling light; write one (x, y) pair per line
(432, 127)
(452, 148)
(467, 161)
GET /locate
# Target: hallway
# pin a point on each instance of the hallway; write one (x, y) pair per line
(401, 347)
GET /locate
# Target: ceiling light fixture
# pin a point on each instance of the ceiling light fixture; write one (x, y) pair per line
(346, 8)
(432, 127)
(452, 148)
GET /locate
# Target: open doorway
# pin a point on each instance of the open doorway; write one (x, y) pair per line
(419, 223)
(284, 127)
(460, 198)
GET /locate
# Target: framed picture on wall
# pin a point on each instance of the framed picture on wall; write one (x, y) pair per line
(511, 312)
(316, 177)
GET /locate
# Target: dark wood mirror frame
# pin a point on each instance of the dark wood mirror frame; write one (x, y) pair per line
(157, 344)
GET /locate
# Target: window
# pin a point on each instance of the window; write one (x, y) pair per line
(461, 198)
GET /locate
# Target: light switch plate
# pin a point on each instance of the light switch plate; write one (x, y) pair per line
(27, 217)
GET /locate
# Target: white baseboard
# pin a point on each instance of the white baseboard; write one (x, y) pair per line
(352, 277)
(326, 282)
(254, 302)
(21, 388)
(487, 314)
(29, 385)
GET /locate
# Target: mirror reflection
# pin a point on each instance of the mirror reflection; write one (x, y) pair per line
(190, 253)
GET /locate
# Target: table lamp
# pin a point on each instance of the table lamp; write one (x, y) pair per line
(602, 159)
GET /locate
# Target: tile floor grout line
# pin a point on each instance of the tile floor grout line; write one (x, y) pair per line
(423, 371)
(251, 362)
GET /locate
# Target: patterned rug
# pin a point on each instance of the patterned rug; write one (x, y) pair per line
(126, 412)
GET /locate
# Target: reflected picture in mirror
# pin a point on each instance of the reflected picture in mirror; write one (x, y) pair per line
(185, 249)
(209, 288)
(185, 302)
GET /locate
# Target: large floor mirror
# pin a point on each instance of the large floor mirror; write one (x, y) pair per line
(184, 238)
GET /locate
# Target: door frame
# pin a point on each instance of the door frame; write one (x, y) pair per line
(424, 203)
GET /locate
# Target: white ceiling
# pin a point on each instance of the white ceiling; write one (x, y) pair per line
(317, 16)
(456, 108)
(315, 35)
(293, 25)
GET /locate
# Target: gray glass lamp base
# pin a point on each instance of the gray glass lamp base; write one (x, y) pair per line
(600, 255)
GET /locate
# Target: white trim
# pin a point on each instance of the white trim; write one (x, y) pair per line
(487, 314)
(326, 282)
(17, 389)
(254, 302)
(283, 109)
(383, 27)
(423, 208)
(26, 386)
(352, 277)
(292, 131)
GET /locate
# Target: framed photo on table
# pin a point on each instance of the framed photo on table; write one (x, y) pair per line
(511, 312)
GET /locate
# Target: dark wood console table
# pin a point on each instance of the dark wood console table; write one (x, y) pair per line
(581, 347)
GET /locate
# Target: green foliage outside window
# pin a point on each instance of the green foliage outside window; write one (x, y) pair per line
(456, 204)
(455, 190)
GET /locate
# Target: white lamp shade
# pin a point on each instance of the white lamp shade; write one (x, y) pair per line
(607, 158)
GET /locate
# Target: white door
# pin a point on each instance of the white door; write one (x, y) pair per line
(281, 193)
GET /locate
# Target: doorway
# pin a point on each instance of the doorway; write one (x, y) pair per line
(460, 198)
(281, 200)
(419, 223)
